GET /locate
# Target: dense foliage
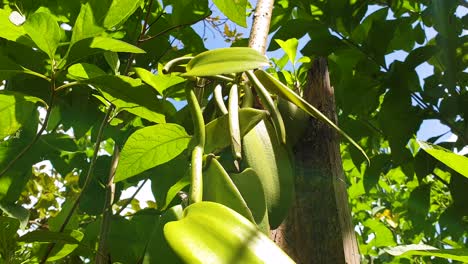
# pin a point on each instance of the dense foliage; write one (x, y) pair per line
(93, 88)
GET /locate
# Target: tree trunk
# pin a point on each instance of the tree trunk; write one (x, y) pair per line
(318, 228)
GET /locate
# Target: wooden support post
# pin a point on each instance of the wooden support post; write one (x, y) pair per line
(319, 227)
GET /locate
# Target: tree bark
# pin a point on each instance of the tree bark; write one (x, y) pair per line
(261, 25)
(318, 228)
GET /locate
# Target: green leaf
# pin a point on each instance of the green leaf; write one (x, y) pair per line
(50, 237)
(66, 242)
(383, 235)
(44, 31)
(119, 11)
(112, 59)
(213, 233)
(83, 71)
(455, 254)
(9, 68)
(149, 147)
(218, 187)
(85, 25)
(188, 12)
(11, 31)
(8, 228)
(114, 45)
(458, 163)
(131, 95)
(235, 10)
(16, 211)
(158, 251)
(168, 179)
(276, 87)
(15, 110)
(224, 61)
(218, 129)
(250, 186)
(290, 47)
(160, 82)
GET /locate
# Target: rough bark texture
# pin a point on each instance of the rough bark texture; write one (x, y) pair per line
(318, 228)
(261, 25)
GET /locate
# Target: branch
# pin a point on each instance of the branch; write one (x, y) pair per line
(86, 183)
(129, 200)
(172, 28)
(102, 257)
(261, 25)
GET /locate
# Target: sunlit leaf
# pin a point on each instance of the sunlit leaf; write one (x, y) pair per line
(235, 10)
(114, 45)
(212, 233)
(248, 119)
(85, 25)
(15, 110)
(10, 31)
(82, 71)
(133, 96)
(119, 11)
(218, 187)
(149, 147)
(224, 61)
(160, 82)
(290, 47)
(44, 31)
(457, 162)
(456, 254)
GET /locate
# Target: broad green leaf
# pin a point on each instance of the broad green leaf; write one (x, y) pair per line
(119, 11)
(224, 61)
(85, 25)
(149, 147)
(219, 188)
(383, 235)
(212, 233)
(15, 110)
(290, 47)
(188, 12)
(83, 71)
(8, 228)
(44, 31)
(235, 10)
(218, 129)
(16, 211)
(9, 68)
(160, 82)
(276, 87)
(50, 237)
(133, 96)
(11, 31)
(457, 162)
(168, 179)
(250, 186)
(114, 45)
(158, 251)
(112, 59)
(456, 254)
(66, 242)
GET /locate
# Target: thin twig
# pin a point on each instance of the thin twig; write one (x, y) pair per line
(172, 28)
(86, 183)
(66, 85)
(102, 257)
(129, 200)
